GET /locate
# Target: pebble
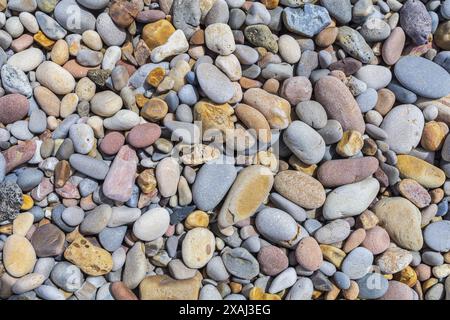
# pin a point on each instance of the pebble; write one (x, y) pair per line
(224, 149)
(351, 199)
(415, 21)
(304, 142)
(408, 236)
(428, 80)
(19, 256)
(435, 236)
(152, 224)
(408, 120)
(204, 195)
(357, 263)
(214, 83)
(340, 106)
(300, 188)
(240, 263)
(308, 21)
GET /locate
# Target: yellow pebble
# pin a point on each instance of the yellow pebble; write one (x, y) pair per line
(141, 100)
(43, 41)
(316, 294)
(429, 283)
(350, 144)
(333, 254)
(408, 276)
(258, 294)
(155, 76)
(196, 219)
(27, 203)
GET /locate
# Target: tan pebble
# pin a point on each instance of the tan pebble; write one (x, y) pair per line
(147, 181)
(154, 110)
(60, 52)
(385, 102)
(19, 256)
(92, 39)
(367, 219)
(69, 104)
(249, 190)
(271, 86)
(198, 247)
(255, 120)
(327, 37)
(85, 89)
(433, 135)
(352, 292)
(437, 195)
(163, 287)
(47, 100)
(354, 240)
(92, 260)
(22, 223)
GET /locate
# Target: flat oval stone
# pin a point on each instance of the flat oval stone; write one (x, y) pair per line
(198, 247)
(249, 190)
(19, 256)
(437, 236)
(27, 60)
(333, 232)
(351, 199)
(240, 263)
(423, 77)
(212, 184)
(216, 85)
(339, 103)
(335, 173)
(167, 175)
(65, 11)
(403, 126)
(304, 142)
(300, 188)
(357, 263)
(152, 224)
(372, 286)
(423, 172)
(55, 78)
(276, 225)
(96, 220)
(143, 135)
(376, 77)
(393, 46)
(402, 221)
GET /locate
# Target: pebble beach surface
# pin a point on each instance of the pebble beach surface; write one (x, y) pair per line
(224, 149)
